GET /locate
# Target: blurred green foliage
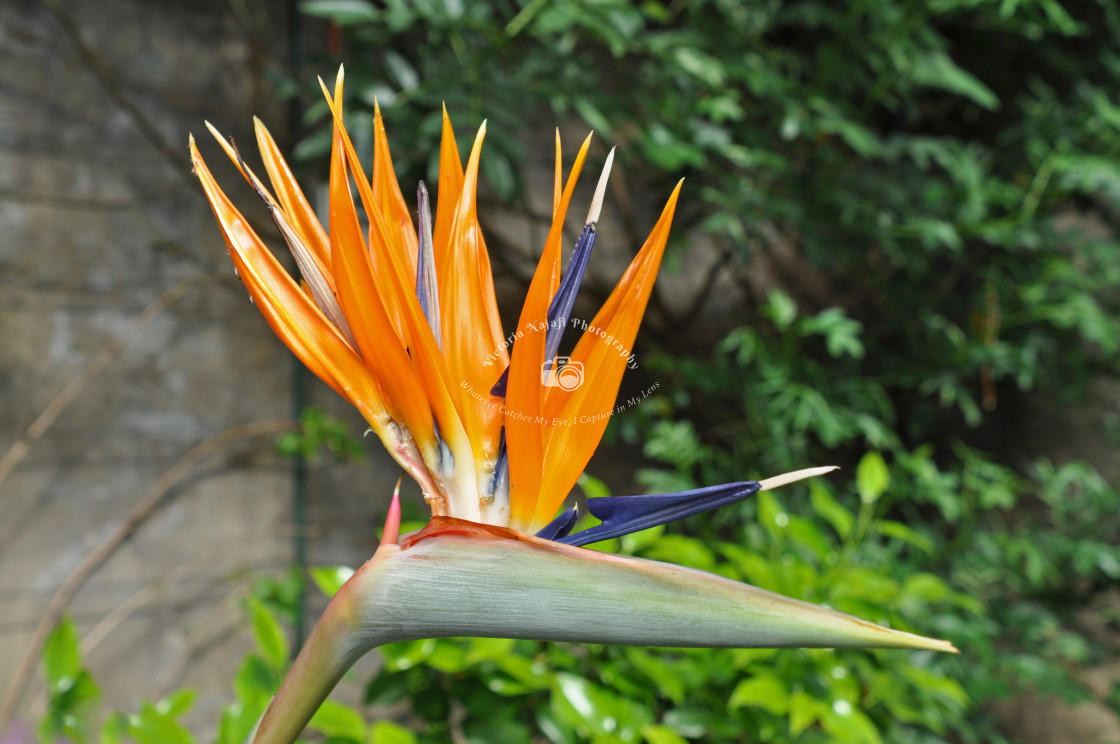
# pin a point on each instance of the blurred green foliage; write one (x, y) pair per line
(947, 170)
(74, 712)
(318, 431)
(946, 173)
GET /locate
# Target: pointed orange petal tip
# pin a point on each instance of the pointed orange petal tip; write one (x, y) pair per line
(557, 181)
(221, 140)
(229, 147)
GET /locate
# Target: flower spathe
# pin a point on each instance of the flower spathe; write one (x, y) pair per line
(402, 321)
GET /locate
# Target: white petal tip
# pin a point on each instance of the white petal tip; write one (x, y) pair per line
(797, 475)
(600, 190)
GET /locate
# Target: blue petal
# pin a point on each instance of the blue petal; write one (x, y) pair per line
(499, 389)
(622, 515)
(500, 479)
(560, 311)
(426, 289)
(561, 526)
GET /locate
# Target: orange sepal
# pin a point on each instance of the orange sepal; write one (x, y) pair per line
(447, 197)
(364, 304)
(396, 289)
(524, 424)
(582, 414)
(556, 177)
(472, 332)
(296, 207)
(292, 315)
(388, 199)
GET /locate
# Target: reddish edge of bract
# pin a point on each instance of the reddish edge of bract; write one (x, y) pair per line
(450, 526)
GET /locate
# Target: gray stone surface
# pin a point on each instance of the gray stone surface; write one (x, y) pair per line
(99, 216)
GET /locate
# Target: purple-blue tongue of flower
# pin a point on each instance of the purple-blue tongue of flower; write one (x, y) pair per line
(622, 515)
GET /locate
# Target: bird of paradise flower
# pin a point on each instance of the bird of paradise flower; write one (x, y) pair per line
(402, 322)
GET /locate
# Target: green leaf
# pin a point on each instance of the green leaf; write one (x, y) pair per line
(150, 726)
(754, 567)
(925, 587)
(238, 719)
(656, 734)
(771, 515)
(862, 584)
(684, 551)
(499, 171)
(555, 730)
(804, 711)
(532, 674)
(330, 579)
(407, 654)
(666, 679)
(448, 656)
(593, 116)
(488, 649)
(780, 308)
(335, 719)
(83, 692)
(342, 12)
(900, 531)
(872, 477)
(849, 724)
(841, 332)
(115, 728)
(674, 442)
(177, 703)
(70, 712)
(805, 533)
(495, 726)
(938, 70)
(255, 680)
(949, 690)
(401, 70)
(62, 660)
(762, 691)
(830, 509)
(592, 487)
(642, 539)
(268, 634)
(704, 67)
(581, 703)
(386, 688)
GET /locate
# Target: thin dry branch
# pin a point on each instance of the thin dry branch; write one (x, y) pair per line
(108, 546)
(74, 388)
(105, 75)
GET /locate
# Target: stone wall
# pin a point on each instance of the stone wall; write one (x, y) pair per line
(100, 217)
